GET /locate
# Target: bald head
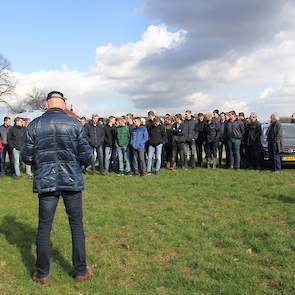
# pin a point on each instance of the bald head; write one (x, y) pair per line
(55, 99)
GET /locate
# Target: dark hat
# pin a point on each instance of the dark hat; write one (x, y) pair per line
(216, 112)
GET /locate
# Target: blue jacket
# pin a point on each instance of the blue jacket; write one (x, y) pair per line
(139, 137)
(56, 147)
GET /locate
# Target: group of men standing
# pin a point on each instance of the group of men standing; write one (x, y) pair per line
(134, 145)
(11, 141)
(137, 146)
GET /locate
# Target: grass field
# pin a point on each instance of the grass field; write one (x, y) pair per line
(184, 232)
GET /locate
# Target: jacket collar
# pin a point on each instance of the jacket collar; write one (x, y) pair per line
(55, 110)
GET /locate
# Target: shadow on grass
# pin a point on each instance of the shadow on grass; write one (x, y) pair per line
(23, 236)
(285, 199)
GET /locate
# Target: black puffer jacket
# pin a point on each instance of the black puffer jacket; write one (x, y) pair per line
(190, 130)
(16, 137)
(157, 135)
(110, 133)
(56, 146)
(253, 134)
(234, 129)
(200, 128)
(177, 133)
(95, 134)
(212, 131)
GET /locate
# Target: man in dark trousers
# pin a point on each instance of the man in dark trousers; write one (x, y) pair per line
(234, 130)
(56, 147)
(253, 142)
(275, 143)
(95, 133)
(190, 133)
(5, 147)
(200, 138)
(177, 142)
(212, 135)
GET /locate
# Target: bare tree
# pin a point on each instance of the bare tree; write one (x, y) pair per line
(7, 85)
(35, 100)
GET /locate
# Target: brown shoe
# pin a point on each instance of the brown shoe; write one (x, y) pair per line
(88, 275)
(41, 281)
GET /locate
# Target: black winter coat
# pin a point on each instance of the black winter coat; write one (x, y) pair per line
(200, 128)
(16, 137)
(177, 133)
(110, 134)
(157, 135)
(275, 136)
(212, 131)
(190, 130)
(253, 134)
(234, 129)
(56, 147)
(95, 134)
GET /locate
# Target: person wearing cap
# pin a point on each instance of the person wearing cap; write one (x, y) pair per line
(56, 147)
(95, 133)
(157, 137)
(216, 115)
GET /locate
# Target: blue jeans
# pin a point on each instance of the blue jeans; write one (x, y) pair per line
(107, 157)
(154, 151)
(16, 162)
(275, 157)
(99, 155)
(124, 157)
(47, 206)
(234, 148)
(189, 153)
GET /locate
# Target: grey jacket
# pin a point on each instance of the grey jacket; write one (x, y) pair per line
(3, 133)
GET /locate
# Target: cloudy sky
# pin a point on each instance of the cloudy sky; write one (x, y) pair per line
(112, 57)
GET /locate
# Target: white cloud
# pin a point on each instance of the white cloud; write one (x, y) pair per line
(136, 76)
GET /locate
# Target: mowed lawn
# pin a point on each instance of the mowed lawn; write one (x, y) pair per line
(184, 232)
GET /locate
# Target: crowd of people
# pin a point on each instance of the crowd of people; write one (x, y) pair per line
(131, 145)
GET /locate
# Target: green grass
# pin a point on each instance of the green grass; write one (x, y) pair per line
(184, 232)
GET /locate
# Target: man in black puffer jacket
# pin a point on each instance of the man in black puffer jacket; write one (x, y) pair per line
(157, 137)
(56, 147)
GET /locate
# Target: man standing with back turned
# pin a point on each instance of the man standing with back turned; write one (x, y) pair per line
(56, 147)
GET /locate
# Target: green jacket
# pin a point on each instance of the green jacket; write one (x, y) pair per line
(123, 134)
